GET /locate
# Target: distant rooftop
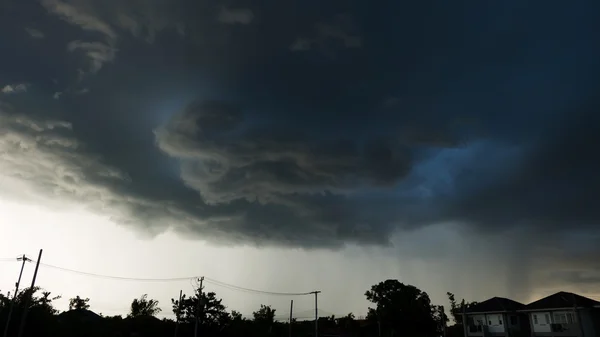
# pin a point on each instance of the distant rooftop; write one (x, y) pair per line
(79, 314)
(496, 304)
(562, 299)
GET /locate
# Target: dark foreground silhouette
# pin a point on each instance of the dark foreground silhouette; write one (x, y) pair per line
(399, 310)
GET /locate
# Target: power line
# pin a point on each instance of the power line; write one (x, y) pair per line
(234, 287)
(122, 278)
(174, 279)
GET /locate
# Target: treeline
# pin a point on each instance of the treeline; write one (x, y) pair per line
(398, 310)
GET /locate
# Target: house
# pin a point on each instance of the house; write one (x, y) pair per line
(496, 317)
(79, 316)
(564, 314)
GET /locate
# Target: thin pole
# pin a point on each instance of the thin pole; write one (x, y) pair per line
(12, 304)
(316, 314)
(291, 310)
(444, 320)
(24, 318)
(464, 317)
(198, 308)
(577, 316)
(178, 313)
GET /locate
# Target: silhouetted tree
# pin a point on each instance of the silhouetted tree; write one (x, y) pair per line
(210, 309)
(455, 308)
(440, 317)
(264, 318)
(4, 300)
(144, 307)
(346, 322)
(402, 308)
(78, 303)
(264, 315)
(236, 316)
(41, 312)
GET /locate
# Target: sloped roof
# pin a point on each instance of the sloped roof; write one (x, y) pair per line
(560, 300)
(496, 304)
(80, 314)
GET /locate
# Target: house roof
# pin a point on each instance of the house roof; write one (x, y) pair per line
(79, 314)
(496, 304)
(561, 300)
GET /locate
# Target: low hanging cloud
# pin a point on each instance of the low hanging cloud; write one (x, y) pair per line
(77, 16)
(34, 33)
(341, 30)
(58, 171)
(14, 88)
(225, 163)
(97, 53)
(242, 16)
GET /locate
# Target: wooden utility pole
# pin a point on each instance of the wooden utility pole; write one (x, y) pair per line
(464, 318)
(443, 314)
(291, 310)
(12, 304)
(24, 318)
(198, 308)
(316, 314)
(178, 313)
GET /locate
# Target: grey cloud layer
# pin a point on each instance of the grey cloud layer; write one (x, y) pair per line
(59, 171)
(340, 29)
(225, 162)
(225, 177)
(14, 88)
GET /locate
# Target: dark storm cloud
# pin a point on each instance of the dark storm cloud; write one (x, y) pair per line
(553, 187)
(225, 160)
(323, 123)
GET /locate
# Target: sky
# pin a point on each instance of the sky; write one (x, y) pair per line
(292, 146)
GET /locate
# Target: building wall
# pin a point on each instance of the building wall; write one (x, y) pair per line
(541, 321)
(587, 323)
(478, 319)
(568, 319)
(495, 323)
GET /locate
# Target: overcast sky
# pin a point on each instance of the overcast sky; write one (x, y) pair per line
(291, 146)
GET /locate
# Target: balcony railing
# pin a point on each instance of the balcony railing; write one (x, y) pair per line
(561, 327)
(475, 328)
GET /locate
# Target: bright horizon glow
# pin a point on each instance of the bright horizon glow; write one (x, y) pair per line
(75, 239)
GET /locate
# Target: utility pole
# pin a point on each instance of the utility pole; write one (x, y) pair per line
(291, 310)
(198, 308)
(24, 318)
(12, 304)
(316, 313)
(178, 313)
(464, 318)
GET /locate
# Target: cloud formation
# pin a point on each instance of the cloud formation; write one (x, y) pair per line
(97, 53)
(34, 33)
(14, 88)
(225, 162)
(242, 16)
(75, 16)
(340, 30)
(208, 125)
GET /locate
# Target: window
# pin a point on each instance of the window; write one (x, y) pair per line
(535, 321)
(560, 318)
(564, 318)
(500, 322)
(490, 322)
(513, 320)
